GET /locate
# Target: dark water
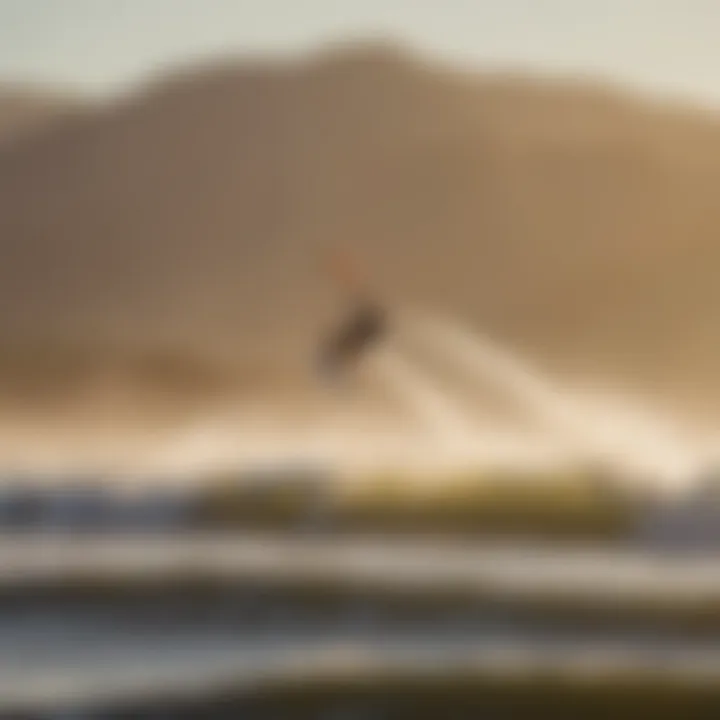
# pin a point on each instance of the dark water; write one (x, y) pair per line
(100, 628)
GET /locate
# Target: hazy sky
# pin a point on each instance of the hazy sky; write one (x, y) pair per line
(104, 45)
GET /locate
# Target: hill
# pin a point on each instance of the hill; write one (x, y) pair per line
(187, 222)
(25, 112)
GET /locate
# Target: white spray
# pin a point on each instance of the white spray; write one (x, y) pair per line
(635, 442)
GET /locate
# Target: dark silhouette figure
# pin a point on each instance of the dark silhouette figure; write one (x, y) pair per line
(365, 327)
(362, 329)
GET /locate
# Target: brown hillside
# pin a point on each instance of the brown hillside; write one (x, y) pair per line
(24, 113)
(576, 223)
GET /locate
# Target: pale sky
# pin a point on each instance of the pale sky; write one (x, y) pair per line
(104, 46)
